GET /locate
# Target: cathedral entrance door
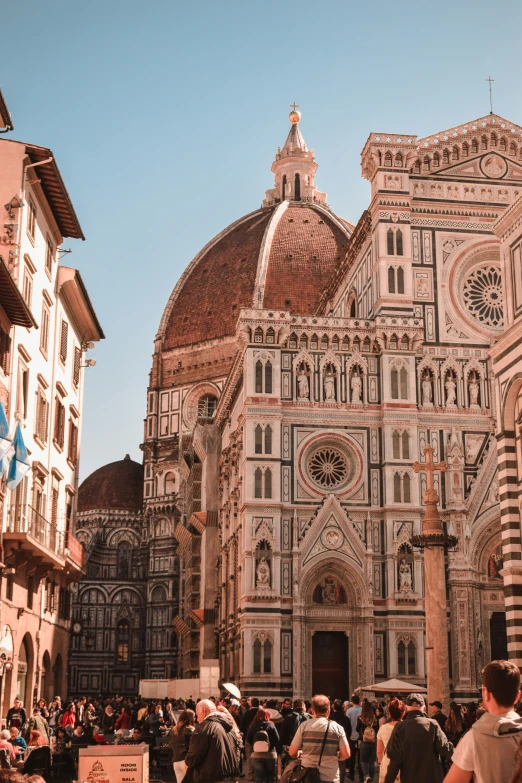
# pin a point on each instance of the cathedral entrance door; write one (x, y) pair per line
(498, 636)
(330, 664)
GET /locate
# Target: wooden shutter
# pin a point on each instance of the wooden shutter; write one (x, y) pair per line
(77, 363)
(63, 341)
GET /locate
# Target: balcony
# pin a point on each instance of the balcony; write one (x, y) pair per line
(75, 553)
(33, 535)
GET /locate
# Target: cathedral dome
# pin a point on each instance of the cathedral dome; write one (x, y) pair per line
(281, 256)
(118, 485)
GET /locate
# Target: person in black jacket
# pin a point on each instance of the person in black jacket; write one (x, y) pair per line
(338, 715)
(16, 716)
(215, 745)
(180, 741)
(416, 746)
(437, 714)
(289, 727)
(264, 754)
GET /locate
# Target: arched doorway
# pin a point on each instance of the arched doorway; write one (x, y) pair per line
(46, 678)
(25, 671)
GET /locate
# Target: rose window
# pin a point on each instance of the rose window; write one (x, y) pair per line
(328, 467)
(482, 295)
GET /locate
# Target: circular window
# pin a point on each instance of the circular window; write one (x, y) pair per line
(327, 467)
(482, 295)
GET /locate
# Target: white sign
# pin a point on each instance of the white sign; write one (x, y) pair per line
(114, 764)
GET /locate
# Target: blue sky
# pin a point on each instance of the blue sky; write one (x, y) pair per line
(165, 116)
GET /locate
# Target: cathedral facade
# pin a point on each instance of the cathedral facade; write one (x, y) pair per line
(301, 366)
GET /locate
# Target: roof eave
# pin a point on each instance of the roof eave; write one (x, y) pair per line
(12, 301)
(72, 288)
(5, 117)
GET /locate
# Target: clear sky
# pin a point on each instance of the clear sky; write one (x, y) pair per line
(164, 117)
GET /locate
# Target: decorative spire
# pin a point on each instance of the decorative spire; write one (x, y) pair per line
(294, 168)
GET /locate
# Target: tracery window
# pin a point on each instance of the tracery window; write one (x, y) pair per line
(124, 554)
(268, 378)
(445, 156)
(122, 641)
(401, 445)
(207, 406)
(263, 483)
(399, 383)
(259, 377)
(327, 467)
(396, 277)
(482, 295)
(258, 439)
(268, 439)
(436, 160)
(401, 488)
(474, 146)
(406, 658)
(262, 656)
(388, 159)
(390, 242)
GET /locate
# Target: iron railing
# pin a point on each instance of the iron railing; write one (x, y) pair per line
(25, 519)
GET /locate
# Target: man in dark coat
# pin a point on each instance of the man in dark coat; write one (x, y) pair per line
(416, 746)
(437, 714)
(215, 745)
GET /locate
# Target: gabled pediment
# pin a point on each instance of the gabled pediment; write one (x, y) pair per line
(332, 531)
(491, 123)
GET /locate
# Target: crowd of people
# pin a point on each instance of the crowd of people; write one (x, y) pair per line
(320, 741)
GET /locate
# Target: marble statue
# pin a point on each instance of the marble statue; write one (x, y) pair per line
(263, 573)
(427, 392)
(356, 387)
(302, 385)
(329, 386)
(405, 583)
(474, 389)
(451, 391)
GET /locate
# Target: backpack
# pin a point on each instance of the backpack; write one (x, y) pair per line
(369, 734)
(261, 742)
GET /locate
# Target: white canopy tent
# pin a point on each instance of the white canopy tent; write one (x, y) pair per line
(393, 686)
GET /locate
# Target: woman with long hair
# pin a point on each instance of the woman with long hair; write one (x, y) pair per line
(123, 721)
(68, 718)
(454, 726)
(264, 739)
(180, 741)
(396, 710)
(367, 727)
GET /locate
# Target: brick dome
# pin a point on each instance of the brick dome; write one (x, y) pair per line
(118, 485)
(282, 257)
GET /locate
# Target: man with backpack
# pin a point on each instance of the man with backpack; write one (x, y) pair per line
(215, 745)
(416, 746)
(320, 743)
(290, 725)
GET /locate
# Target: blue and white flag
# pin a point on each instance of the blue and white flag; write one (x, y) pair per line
(5, 441)
(20, 464)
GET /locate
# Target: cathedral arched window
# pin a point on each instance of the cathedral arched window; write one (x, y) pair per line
(170, 483)
(262, 656)
(258, 483)
(503, 144)
(283, 191)
(398, 242)
(122, 641)
(404, 343)
(404, 383)
(267, 657)
(396, 445)
(406, 658)
(417, 167)
(257, 656)
(483, 143)
(353, 308)
(406, 488)
(292, 340)
(426, 163)
(390, 243)
(259, 377)
(270, 335)
(436, 160)
(405, 445)
(455, 153)
(474, 146)
(268, 378)
(399, 383)
(397, 488)
(493, 138)
(512, 148)
(398, 160)
(445, 156)
(400, 279)
(268, 439)
(391, 280)
(388, 159)
(465, 150)
(314, 342)
(268, 483)
(258, 335)
(207, 406)
(258, 439)
(297, 187)
(124, 553)
(324, 342)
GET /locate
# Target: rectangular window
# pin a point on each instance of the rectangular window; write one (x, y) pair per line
(5, 350)
(64, 334)
(72, 446)
(27, 291)
(59, 423)
(31, 218)
(30, 592)
(49, 256)
(44, 328)
(41, 423)
(22, 396)
(77, 365)
(55, 494)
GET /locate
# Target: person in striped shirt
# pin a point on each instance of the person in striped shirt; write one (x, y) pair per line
(320, 742)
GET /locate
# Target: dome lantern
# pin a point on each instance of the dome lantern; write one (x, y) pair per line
(294, 168)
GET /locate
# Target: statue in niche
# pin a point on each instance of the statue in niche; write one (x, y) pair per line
(427, 390)
(405, 581)
(493, 494)
(495, 563)
(451, 390)
(263, 574)
(303, 387)
(454, 449)
(356, 385)
(329, 386)
(474, 390)
(329, 592)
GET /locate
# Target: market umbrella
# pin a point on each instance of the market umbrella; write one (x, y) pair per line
(233, 689)
(393, 686)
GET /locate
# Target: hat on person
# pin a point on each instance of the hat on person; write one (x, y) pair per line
(415, 699)
(437, 704)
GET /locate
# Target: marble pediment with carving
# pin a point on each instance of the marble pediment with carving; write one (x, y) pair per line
(333, 532)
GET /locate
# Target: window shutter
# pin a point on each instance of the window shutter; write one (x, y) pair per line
(63, 341)
(77, 363)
